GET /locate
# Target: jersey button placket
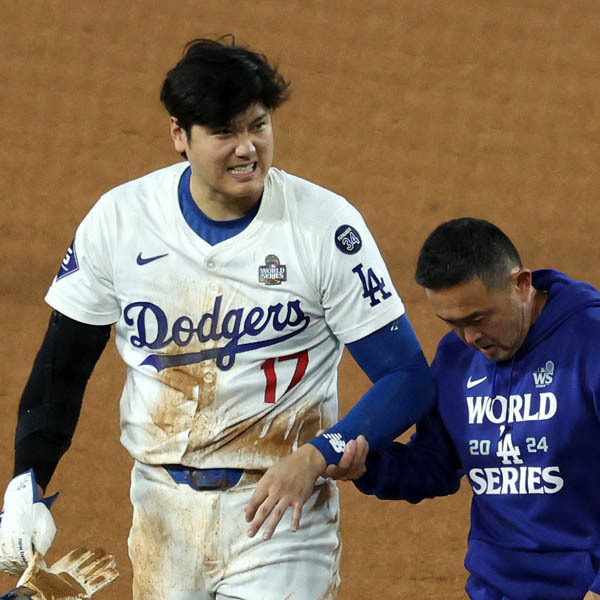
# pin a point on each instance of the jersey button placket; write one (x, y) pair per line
(211, 266)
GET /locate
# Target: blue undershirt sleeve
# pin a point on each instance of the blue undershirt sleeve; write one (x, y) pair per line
(403, 390)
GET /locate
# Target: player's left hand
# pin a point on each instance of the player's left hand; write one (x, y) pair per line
(289, 482)
(26, 524)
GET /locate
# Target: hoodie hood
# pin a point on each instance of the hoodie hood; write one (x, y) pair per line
(566, 296)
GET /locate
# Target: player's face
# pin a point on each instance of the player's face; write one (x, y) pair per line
(230, 163)
(494, 321)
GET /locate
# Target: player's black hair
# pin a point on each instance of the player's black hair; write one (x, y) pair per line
(216, 80)
(460, 249)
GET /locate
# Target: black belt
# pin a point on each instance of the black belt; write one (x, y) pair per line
(205, 479)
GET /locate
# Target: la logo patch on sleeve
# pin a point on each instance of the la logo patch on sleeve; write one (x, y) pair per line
(347, 239)
(70, 264)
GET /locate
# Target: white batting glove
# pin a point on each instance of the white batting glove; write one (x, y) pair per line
(26, 524)
(79, 574)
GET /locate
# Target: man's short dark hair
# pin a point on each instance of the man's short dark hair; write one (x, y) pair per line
(458, 250)
(216, 80)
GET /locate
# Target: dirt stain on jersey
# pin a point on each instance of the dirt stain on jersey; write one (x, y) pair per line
(324, 496)
(258, 443)
(219, 430)
(293, 427)
(193, 384)
(188, 393)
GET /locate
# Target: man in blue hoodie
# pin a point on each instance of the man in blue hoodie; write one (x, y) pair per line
(518, 413)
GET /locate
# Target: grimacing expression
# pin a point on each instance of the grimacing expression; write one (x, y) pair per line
(494, 321)
(229, 162)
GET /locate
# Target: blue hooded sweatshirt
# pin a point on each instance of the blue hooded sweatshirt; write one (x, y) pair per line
(526, 433)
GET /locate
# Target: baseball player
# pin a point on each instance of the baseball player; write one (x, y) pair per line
(233, 287)
(518, 413)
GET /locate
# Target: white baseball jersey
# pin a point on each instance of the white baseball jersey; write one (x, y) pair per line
(232, 349)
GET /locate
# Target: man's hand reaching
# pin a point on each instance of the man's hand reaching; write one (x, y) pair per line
(287, 483)
(352, 464)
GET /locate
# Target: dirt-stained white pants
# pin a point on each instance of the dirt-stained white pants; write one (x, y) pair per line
(192, 545)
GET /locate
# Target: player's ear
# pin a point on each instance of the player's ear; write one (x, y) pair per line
(178, 135)
(522, 281)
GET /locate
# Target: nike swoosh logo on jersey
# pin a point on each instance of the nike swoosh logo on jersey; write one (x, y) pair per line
(144, 261)
(474, 382)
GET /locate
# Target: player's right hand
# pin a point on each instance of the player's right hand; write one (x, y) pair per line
(26, 524)
(352, 464)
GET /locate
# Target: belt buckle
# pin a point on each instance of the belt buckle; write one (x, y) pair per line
(214, 479)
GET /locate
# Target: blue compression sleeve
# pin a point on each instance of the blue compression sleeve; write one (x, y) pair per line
(402, 393)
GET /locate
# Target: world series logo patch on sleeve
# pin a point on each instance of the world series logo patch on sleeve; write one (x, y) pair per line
(70, 264)
(347, 239)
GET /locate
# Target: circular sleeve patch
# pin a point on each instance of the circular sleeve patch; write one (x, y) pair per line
(347, 239)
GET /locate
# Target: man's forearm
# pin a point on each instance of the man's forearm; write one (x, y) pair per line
(51, 401)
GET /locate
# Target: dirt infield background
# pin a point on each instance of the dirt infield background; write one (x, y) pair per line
(415, 111)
